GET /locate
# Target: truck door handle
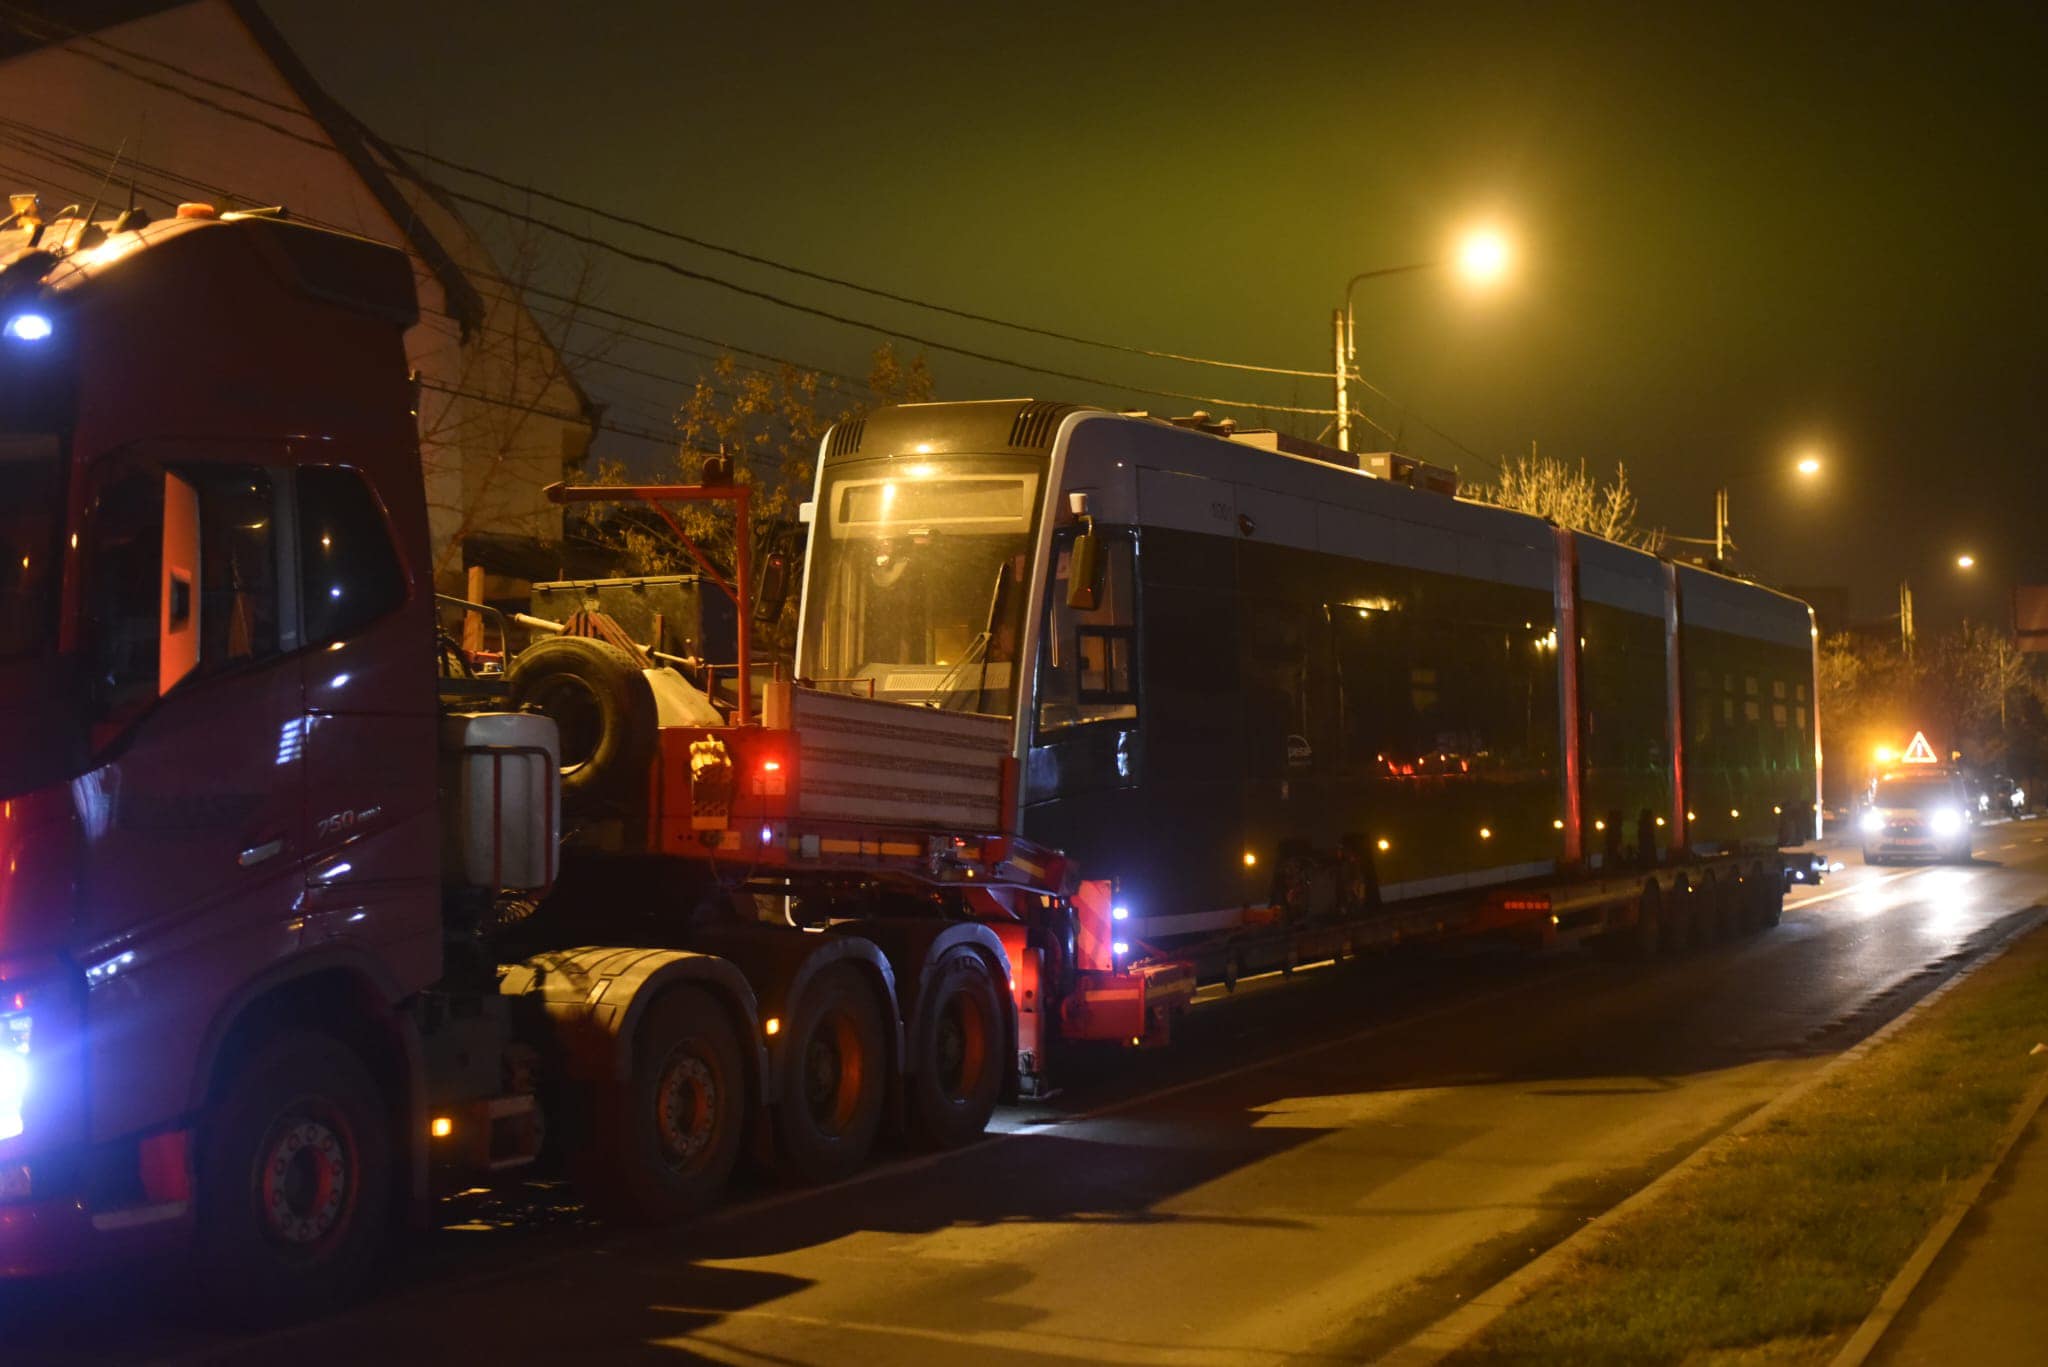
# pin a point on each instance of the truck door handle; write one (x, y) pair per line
(256, 854)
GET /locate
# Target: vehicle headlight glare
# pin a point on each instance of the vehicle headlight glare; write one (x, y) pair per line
(1947, 821)
(1872, 821)
(14, 1079)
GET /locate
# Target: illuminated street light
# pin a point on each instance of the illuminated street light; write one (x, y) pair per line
(1482, 258)
(1966, 561)
(1809, 465)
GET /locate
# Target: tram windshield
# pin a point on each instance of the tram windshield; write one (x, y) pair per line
(919, 571)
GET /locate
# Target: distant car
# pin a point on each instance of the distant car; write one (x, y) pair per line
(1917, 816)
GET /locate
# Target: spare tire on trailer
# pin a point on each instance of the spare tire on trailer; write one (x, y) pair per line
(597, 696)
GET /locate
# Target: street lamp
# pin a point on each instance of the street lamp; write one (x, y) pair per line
(1808, 467)
(1964, 561)
(1482, 257)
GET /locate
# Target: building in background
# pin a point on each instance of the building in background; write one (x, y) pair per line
(206, 101)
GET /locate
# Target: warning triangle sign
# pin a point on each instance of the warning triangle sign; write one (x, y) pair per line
(1919, 752)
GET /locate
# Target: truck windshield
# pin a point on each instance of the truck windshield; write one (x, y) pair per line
(918, 574)
(31, 516)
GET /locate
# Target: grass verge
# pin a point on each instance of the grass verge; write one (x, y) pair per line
(1776, 1248)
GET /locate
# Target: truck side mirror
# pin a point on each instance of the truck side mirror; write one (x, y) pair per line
(1084, 569)
(771, 591)
(177, 640)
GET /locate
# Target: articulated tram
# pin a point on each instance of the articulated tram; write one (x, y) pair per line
(1291, 682)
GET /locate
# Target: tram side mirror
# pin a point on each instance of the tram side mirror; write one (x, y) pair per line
(177, 640)
(1084, 569)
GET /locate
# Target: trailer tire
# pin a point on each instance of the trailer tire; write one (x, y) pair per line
(1758, 885)
(1682, 917)
(603, 707)
(957, 1052)
(1647, 938)
(1728, 906)
(665, 1138)
(832, 1082)
(294, 1176)
(1774, 897)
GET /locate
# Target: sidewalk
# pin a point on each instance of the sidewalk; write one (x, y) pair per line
(1985, 1300)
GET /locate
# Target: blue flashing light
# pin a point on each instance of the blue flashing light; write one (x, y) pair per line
(1119, 913)
(28, 327)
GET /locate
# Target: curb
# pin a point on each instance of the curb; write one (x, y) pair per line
(1899, 1292)
(1451, 1333)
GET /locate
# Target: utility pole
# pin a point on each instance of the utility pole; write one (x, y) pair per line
(1906, 618)
(1342, 367)
(1721, 524)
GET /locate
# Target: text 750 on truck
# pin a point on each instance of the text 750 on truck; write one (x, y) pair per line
(307, 912)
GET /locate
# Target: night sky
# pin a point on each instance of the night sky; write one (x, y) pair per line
(1743, 230)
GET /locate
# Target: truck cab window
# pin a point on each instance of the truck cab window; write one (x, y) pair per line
(348, 568)
(1087, 669)
(236, 598)
(124, 559)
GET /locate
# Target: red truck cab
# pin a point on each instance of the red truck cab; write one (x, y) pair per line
(216, 748)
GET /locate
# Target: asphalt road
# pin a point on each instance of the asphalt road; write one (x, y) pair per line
(1309, 1175)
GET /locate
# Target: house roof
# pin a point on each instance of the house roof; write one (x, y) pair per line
(369, 156)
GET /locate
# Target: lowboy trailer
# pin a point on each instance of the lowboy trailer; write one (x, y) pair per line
(309, 909)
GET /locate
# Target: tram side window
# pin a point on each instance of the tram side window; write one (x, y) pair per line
(1087, 670)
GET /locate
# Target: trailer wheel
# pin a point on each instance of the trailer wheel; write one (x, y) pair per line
(664, 1140)
(603, 706)
(831, 1083)
(1728, 906)
(1774, 897)
(294, 1175)
(1232, 970)
(1682, 917)
(1648, 936)
(957, 1054)
(1757, 905)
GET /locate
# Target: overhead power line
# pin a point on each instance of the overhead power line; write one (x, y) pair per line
(44, 29)
(37, 26)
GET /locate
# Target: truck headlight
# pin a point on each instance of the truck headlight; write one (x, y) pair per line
(1947, 821)
(1872, 821)
(17, 1028)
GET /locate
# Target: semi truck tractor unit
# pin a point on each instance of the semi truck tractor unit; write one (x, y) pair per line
(321, 894)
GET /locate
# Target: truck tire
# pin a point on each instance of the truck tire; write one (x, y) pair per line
(598, 697)
(832, 1081)
(665, 1139)
(956, 1053)
(294, 1183)
(1774, 897)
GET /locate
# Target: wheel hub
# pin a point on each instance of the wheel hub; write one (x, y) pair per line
(305, 1181)
(687, 1109)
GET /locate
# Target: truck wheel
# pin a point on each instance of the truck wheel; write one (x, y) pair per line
(1774, 897)
(603, 706)
(831, 1083)
(1758, 886)
(665, 1139)
(957, 1053)
(1647, 937)
(294, 1174)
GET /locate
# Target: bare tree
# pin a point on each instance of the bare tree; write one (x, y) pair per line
(1571, 496)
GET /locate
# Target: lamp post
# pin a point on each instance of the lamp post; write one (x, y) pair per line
(1482, 258)
(1966, 562)
(1806, 467)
